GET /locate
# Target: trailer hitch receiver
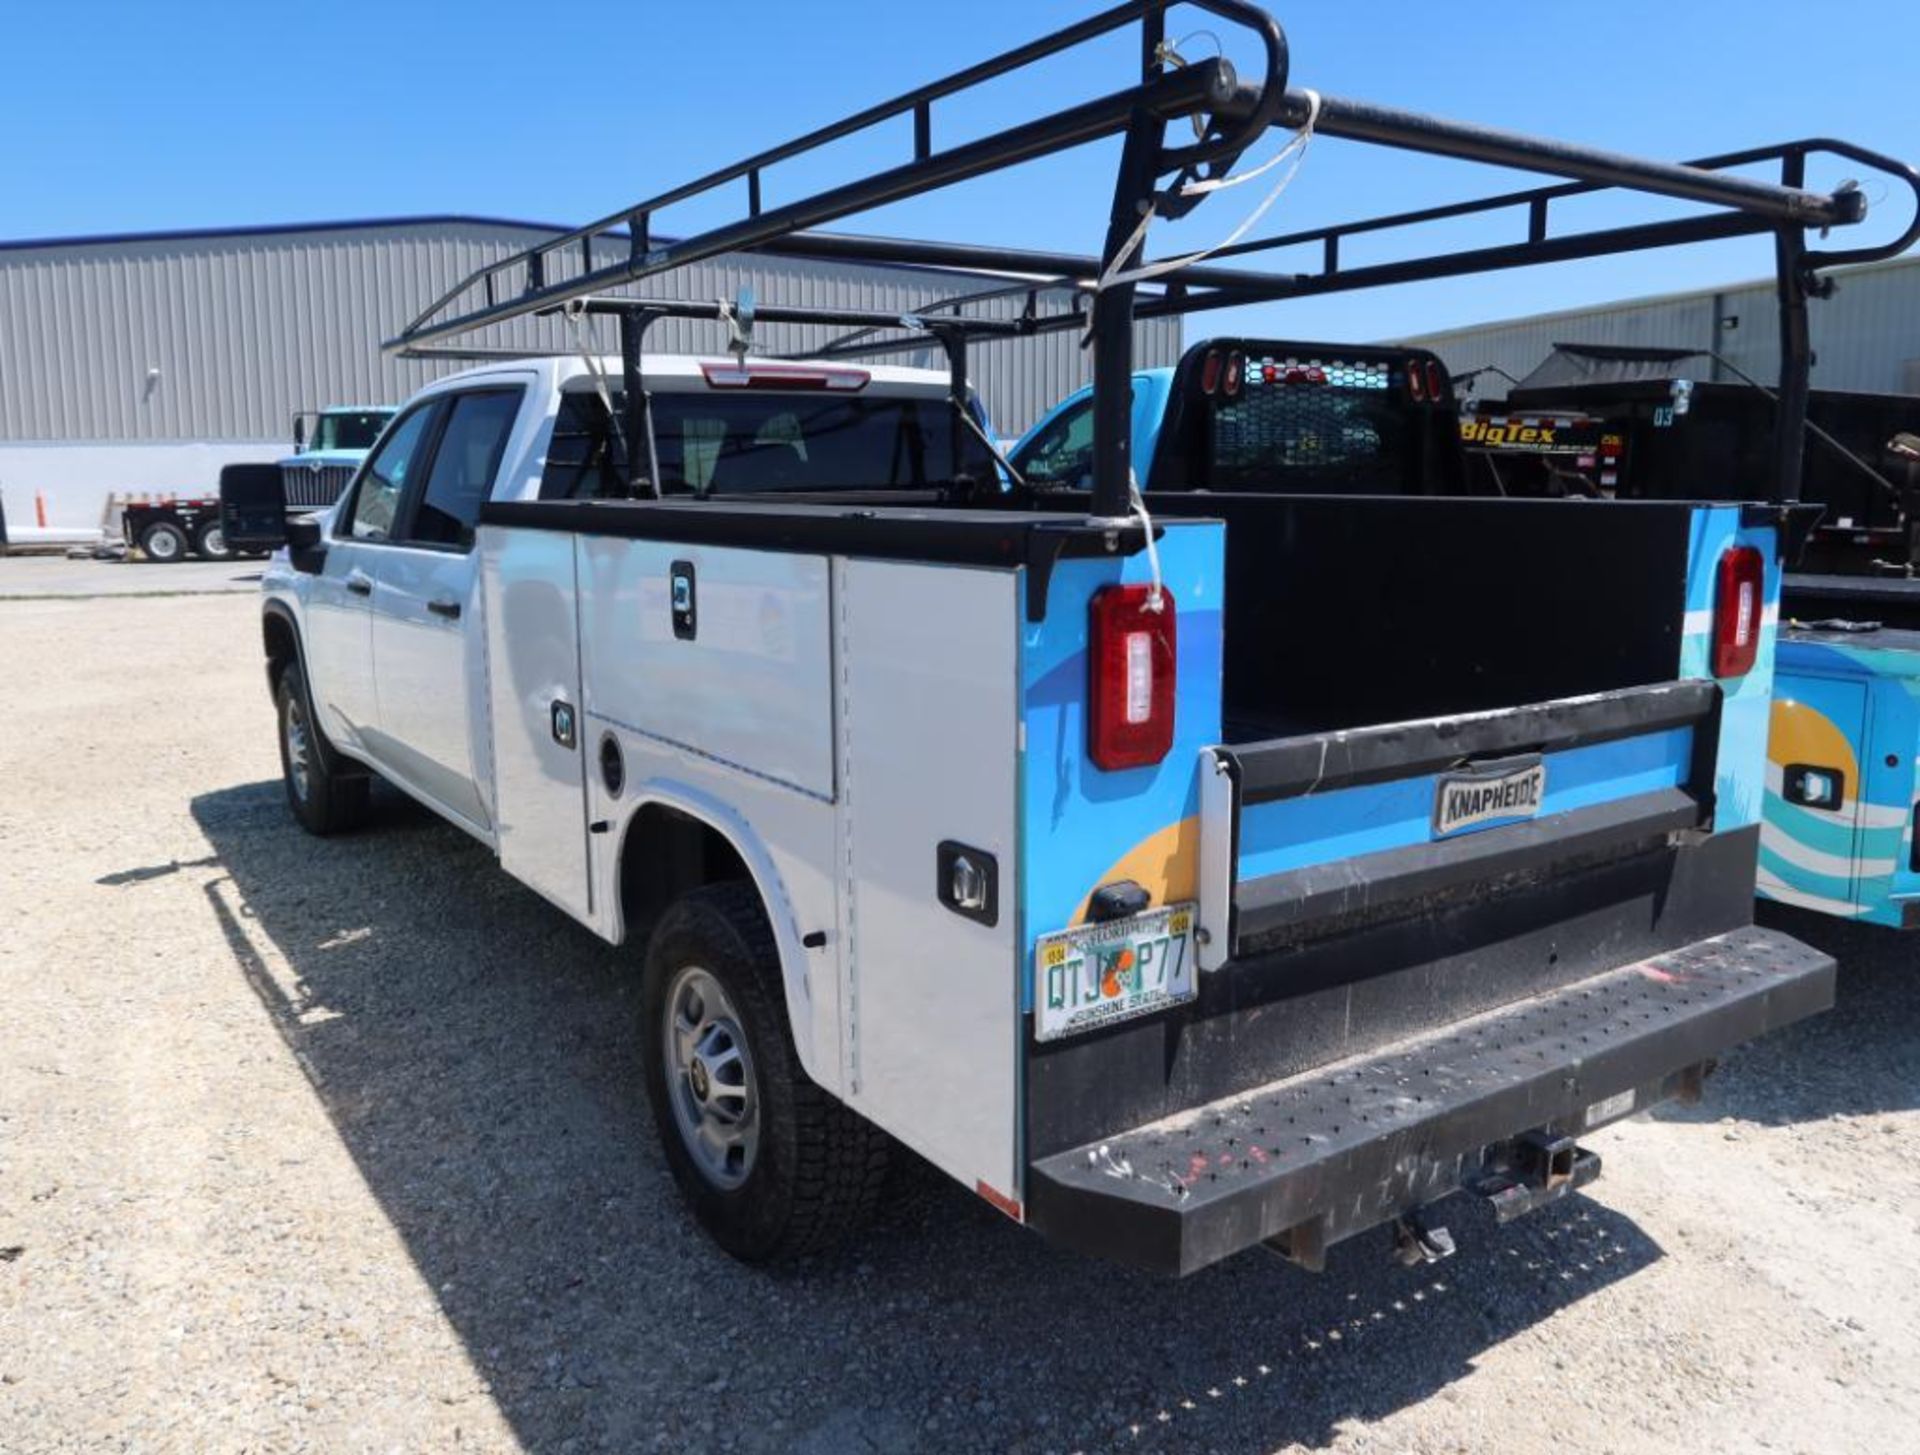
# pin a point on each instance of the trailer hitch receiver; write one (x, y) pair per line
(1540, 1167)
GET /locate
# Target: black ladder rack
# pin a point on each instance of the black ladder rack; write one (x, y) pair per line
(1231, 114)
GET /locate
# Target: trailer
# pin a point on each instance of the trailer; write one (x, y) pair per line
(172, 528)
(1640, 423)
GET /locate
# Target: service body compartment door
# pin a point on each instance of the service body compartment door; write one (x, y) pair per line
(533, 690)
(717, 652)
(1820, 834)
(928, 723)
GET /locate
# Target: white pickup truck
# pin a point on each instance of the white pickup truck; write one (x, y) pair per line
(926, 824)
(1181, 876)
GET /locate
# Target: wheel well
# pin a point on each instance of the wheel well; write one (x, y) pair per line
(282, 649)
(667, 853)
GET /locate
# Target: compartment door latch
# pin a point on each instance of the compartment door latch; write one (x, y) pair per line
(681, 599)
(967, 881)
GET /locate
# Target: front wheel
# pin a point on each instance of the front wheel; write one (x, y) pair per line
(163, 543)
(323, 800)
(773, 1166)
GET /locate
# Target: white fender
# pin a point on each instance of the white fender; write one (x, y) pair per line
(723, 819)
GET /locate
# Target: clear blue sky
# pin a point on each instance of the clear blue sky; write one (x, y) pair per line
(128, 117)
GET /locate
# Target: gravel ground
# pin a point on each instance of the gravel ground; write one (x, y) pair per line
(338, 1145)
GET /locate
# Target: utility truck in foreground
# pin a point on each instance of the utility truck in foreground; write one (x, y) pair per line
(1255, 870)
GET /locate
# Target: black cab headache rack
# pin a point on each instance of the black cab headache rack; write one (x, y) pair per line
(1231, 114)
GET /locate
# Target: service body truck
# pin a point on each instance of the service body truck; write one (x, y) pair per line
(1249, 869)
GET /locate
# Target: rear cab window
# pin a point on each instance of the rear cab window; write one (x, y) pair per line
(711, 443)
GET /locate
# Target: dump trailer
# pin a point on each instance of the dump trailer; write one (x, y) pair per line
(1640, 424)
(1182, 879)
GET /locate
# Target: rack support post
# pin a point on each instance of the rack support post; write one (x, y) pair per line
(1113, 323)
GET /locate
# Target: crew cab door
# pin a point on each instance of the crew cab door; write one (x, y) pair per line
(426, 650)
(339, 640)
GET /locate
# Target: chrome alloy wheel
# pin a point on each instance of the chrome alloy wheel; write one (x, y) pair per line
(710, 1078)
(299, 748)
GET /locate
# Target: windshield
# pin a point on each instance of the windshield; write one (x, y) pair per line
(750, 443)
(354, 429)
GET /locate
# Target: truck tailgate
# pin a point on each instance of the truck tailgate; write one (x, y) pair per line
(1305, 835)
(1338, 1149)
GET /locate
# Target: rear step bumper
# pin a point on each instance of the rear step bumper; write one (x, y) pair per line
(1323, 1155)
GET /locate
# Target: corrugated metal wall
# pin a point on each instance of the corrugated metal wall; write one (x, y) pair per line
(1867, 336)
(224, 336)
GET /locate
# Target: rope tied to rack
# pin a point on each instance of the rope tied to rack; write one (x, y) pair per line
(1156, 598)
(586, 342)
(1295, 148)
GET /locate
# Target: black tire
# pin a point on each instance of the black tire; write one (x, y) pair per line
(818, 1167)
(210, 543)
(164, 542)
(323, 799)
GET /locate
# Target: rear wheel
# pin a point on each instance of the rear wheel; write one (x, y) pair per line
(773, 1166)
(210, 543)
(163, 542)
(322, 799)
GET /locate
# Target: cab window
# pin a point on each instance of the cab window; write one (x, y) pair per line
(383, 484)
(465, 463)
(1061, 455)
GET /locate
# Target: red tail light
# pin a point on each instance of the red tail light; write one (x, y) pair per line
(1738, 602)
(1236, 361)
(1210, 372)
(1416, 382)
(1434, 390)
(1132, 656)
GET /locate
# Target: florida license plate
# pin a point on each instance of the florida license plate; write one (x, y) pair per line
(1098, 974)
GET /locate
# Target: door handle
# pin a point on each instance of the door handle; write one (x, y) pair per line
(449, 609)
(360, 585)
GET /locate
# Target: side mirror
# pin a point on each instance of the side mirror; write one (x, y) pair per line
(253, 507)
(299, 433)
(306, 544)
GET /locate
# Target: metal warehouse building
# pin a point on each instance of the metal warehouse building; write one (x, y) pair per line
(147, 361)
(1867, 336)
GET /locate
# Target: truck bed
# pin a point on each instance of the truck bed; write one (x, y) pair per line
(1351, 611)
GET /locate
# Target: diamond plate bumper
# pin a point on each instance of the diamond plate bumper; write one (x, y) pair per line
(1321, 1156)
